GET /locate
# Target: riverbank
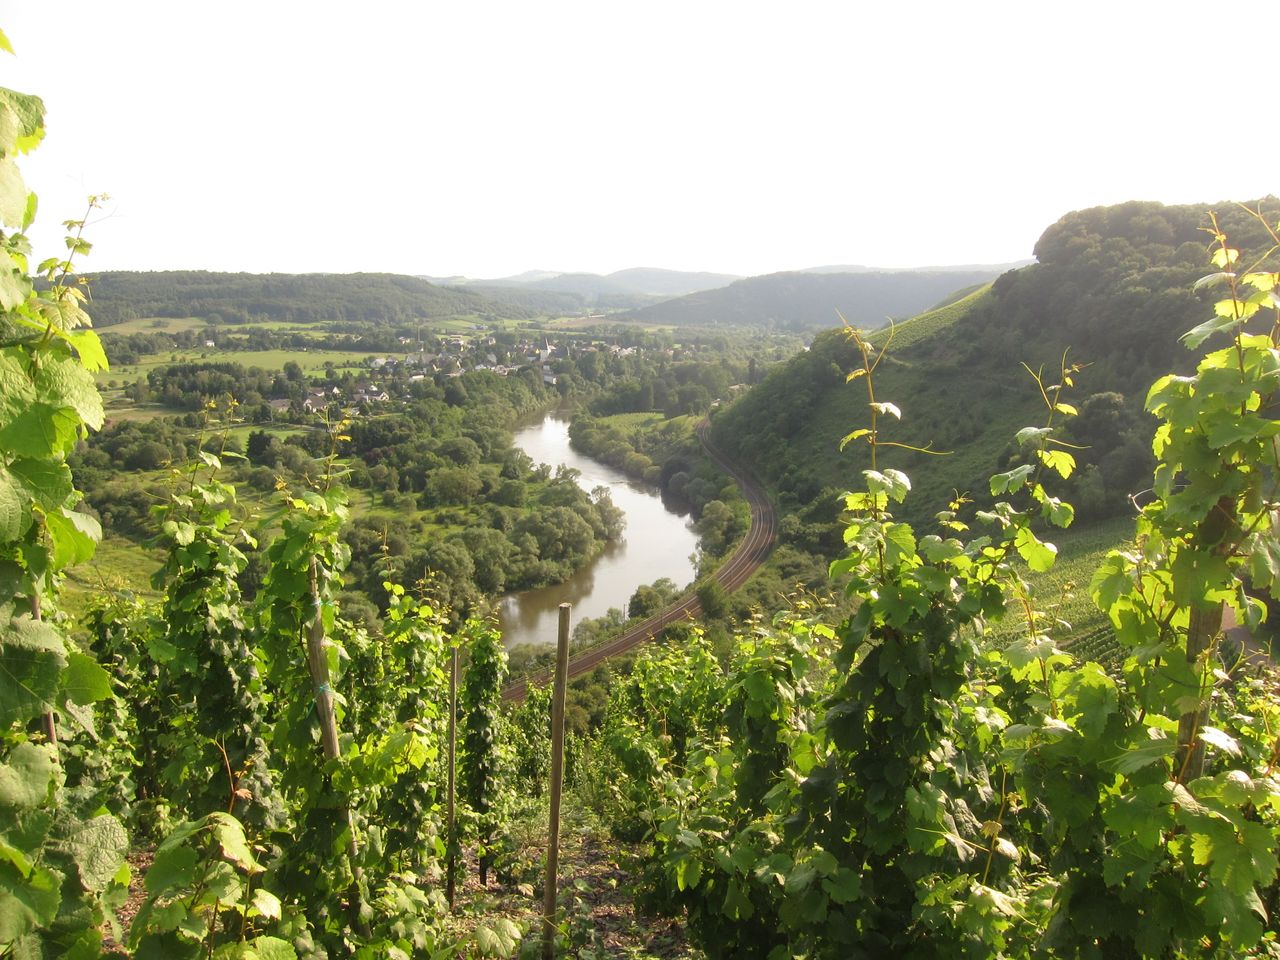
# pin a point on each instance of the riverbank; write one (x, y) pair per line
(658, 541)
(734, 572)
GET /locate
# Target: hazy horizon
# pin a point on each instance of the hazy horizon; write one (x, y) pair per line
(726, 138)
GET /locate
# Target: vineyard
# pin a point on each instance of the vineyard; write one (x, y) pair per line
(263, 778)
(1100, 646)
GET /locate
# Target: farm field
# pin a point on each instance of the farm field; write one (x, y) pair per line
(632, 421)
(121, 408)
(155, 325)
(311, 361)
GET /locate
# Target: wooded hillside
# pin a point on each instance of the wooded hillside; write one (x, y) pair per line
(812, 300)
(1113, 285)
(304, 298)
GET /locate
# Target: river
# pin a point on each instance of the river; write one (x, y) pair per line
(656, 542)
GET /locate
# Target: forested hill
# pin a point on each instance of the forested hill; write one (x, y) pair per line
(1112, 284)
(811, 300)
(304, 298)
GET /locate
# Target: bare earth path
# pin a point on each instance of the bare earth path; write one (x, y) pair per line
(732, 574)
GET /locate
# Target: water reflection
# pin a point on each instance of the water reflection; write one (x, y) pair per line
(657, 542)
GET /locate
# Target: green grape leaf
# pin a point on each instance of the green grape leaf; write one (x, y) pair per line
(1199, 574)
(98, 847)
(1004, 482)
(273, 948)
(1110, 581)
(172, 871)
(29, 903)
(1221, 740)
(1224, 256)
(21, 122)
(1134, 759)
(1168, 389)
(900, 544)
(26, 777)
(737, 905)
(1089, 697)
(1198, 334)
(1212, 280)
(15, 508)
(235, 848)
(13, 195)
(937, 550)
(46, 482)
(848, 438)
(32, 656)
(14, 285)
(1038, 555)
(1058, 460)
(266, 904)
(893, 483)
(74, 535)
(1033, 435)
(1142, 815)
(88, 345)
(1225, 427)
(1058, 513)
(62, 381)
(17, 392)
(85, 681)
(40, 431)
(497, 937)
(844, 886)
(1264, 562)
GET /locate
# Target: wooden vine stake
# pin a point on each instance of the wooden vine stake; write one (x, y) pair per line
(557, 780)
(318, 665)
(451, 838)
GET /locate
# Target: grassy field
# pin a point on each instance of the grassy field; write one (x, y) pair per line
(120, 408)
(311, 361)
(118, 564)
(631, 421)
(279, 430)
(458, 325)
(154, 325)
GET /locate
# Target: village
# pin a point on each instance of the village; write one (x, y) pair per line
(387, 378)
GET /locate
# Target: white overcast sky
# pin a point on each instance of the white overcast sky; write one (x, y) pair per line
(488, 138)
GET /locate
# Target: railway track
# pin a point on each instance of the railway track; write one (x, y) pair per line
(732, 574)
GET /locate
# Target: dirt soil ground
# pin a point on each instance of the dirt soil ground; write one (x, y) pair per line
(601, 919)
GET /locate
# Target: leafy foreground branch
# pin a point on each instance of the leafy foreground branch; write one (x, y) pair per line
(896, 786)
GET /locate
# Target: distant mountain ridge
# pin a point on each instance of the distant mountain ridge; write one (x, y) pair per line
(802, 300)
(634, 281)
(937, 268)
